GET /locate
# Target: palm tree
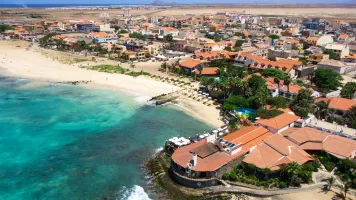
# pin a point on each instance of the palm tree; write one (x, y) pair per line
(322, 110)
(277, 80)
(351, 115)
(286, 81)
(344, 188)
(330, 181)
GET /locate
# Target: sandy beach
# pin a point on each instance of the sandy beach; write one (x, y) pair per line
(16, 61)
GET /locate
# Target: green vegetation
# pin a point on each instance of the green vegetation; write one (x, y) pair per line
(348, 90)
(277, 102)
(213, 37)
(5, 27)
(344, 168)
(108, 69)
(138, 36)
(272, 72)
(291, 174)
(239, 34)
(273, 37)
(267, 114)
(303, 104)
(123, 31)
(235, 102)
(331, 54)
(327, 79)
(45, 41)
(239, 43)
(168, 38)
(303, 60)
(135, 74)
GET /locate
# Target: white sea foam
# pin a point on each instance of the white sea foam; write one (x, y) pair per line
(142, 99)
(134, 193)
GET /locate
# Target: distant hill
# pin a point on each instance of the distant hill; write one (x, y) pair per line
(160, 3)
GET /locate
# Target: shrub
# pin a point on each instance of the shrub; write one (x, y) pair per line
(232, 177)
(225, 176)
(277, 102)
(329, 166)
(345, 177)
(283, 185)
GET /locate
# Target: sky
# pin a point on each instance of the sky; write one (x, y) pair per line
(150, 1)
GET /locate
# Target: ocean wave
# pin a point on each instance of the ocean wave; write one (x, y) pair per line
(142, 99)
(134, 193)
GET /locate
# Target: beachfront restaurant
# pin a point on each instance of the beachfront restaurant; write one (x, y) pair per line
(200, 164)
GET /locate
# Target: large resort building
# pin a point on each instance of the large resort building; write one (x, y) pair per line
(273, 143)
(198, 164)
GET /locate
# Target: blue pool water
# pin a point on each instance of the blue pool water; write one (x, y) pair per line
(69, 142)
(245, 111)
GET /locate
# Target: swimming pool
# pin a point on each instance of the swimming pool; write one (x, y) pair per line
(245, 111)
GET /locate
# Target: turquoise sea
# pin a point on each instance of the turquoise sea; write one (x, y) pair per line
(72, 142)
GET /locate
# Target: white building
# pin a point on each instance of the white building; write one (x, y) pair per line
(341, 50)
(324, 40)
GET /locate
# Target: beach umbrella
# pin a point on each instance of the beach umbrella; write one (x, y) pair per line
(201, 136)
(221, 133)
(209, 98)
(215, 131)
(206, 135)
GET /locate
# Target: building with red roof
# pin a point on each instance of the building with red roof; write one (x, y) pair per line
(199, 164)
(310, 139)
(275, 151)
(340, 106)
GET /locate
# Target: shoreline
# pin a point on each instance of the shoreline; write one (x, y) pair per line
(34, 65)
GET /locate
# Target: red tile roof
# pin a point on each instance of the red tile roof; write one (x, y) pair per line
(279, 121)
(275, 151)
(339, 103)
(189, 63)
(313, 139)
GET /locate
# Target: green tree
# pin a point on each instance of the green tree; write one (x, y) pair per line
(123, 31)
(331, 54)
(351, 116)
(60, 43)
(348, 90)
(306, 45)
(168, 37)
(303, 104)
(228, 48)
(273, 36)
(272, 72)
(277, 102)
(239, 43)
(235, 102)
(45, 41)
(5, 27)
(303, 60)
(325, 78)
(138, 36)
(209, 36)
(322, 110)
